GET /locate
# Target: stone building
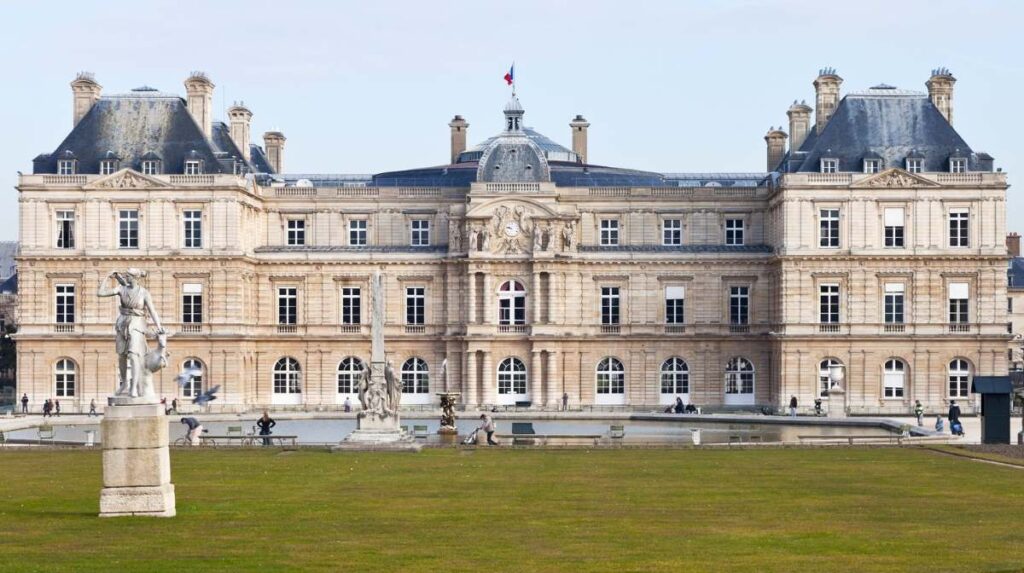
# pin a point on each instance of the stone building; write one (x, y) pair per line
(875, 241)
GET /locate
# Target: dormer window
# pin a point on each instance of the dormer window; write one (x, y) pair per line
(108, 166)
(914, 164)
(150, 167)
(872, 165)
(829, 165)
(958, 165)
(66, 166)
(193, 167)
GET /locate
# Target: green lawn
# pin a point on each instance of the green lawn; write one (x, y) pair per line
(525, 511)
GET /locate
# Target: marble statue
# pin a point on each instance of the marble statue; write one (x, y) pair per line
(569, 235)
(485, 240)
(448, 411)
(538, 238)
(131, 328)
(455, 237)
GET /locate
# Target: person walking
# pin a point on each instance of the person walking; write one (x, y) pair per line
(954, 412)
(47, 408)
(265, 423)
(174, 405)
(487, 425)
(92, 407)
(565, 401)
(919, 412)
(348, 404)
(56, 407)
(24, 403)
(792, 407)
(195, 429)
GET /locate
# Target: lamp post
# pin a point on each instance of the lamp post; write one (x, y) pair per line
(836, 394)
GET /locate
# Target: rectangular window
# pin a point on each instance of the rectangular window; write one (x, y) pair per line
(65, 304)
(672, 232)
(958, 310)
(65, 229)
(872, 165)
(150, 167)
(357, 232)
(893, 303)
(107, 167)
(734, 232)
(192, 303)
(828, 220)
(958, 165)
(193, 167)
(914, 165)
(420, 233)
(739, 305)
(958, 227)
(128, 228)
(609, 232)
(610, 305)
(287, 305)
(296, 232)
(893, 221)
(893, 380)
(351, 305)
(66, 167)
(675, 299)
(415, 305)
(829, 165)
(193, 220)
(828, 303)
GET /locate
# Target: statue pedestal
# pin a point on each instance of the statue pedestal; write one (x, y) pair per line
(136, 462)
(374, 433)
(836, 402)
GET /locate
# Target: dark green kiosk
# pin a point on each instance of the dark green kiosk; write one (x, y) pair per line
(996, 392)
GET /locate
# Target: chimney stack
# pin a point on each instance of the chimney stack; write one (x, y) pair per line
(776, 140)
(799, 124)
(200, 101)
(273, 142)
(240, 118)
(579, 127)
(459, 127)
(940, 91)
(826, 90)
(86, 91)
(1013, 244)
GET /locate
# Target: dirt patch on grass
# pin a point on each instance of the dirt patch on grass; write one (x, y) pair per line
(1004, 450)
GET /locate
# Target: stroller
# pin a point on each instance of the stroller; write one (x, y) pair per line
(471, 438)
(956, 428)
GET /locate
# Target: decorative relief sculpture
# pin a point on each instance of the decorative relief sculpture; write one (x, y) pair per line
(569, 236)
(126, 180)
(135, 361)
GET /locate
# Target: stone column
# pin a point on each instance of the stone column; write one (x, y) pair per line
(535, 319)
(486, 384)
(469, 379)
(136, 463)
(471, 310)
(536, 379)
(487, 312)
(551, 385)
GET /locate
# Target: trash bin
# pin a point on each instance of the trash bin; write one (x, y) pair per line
(695, 435)
(90, 438)
(995, 407)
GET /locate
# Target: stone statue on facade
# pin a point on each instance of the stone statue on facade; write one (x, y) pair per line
(135, 305)
(454, 237)
(569, 236)
(474, 234)
(538, 239)
(485, 240)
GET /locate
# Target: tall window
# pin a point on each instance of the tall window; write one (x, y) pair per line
(671, 232)
(611, 377)
(420, 233)
(108, 166)
(893, 379)
(287, 305)
(958, 227)
(296, 232)
(357, 232)
(128, 228)
(828, 303)
(610, 305)
(958, 298)
(287, 376)
(893, 219)
(675, 376)
(511, 303)
(350, 370)
(194, 386)
(415, 377)
(193, 220)
(739, 377)
(65, 229)
(893, 303)
(65, 304)
(415, 305)
(914, 165)
(739, 305)
(193, 167)
(734, 232)
(66, 167)
(828, 236)
(675, 299)
(824, 379)
(192, 303)
(512, 376)
(351, 305)
(64, 374)
(959, 378)
(609, 232)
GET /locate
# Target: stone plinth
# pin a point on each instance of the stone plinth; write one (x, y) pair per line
(136, 462)
(836, 402)
(376, 433)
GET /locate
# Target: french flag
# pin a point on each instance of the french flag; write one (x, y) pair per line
(510, 77)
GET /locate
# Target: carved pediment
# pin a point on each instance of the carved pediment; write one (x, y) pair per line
(897, 178)
(126, 179)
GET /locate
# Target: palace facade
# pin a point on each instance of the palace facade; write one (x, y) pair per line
(518, 271)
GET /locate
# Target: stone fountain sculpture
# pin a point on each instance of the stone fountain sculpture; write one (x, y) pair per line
(136, 463)
(836, 393)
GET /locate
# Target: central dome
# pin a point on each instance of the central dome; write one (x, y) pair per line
(512, 156)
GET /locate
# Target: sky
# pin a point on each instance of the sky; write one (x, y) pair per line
(365, 87)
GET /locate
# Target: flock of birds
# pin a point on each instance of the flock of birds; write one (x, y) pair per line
(202, 398)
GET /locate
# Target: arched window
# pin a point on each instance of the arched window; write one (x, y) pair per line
(287, 375)
(893, 381)
(65, 377)
(824, 381)
(511, 377)
(959, 378)
(511, 303)
(415, 377)
(193, 387)
(350, 369)
(739, 381)
(611, 381)
(675, 377)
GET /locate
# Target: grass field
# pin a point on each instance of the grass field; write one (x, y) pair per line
(525, 510)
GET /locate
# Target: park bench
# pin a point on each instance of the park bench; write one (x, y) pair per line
(617, 432)
(419, 431)
(850, 439)
(249, 439)
(234, 430)
(45, 433)
(738, 439)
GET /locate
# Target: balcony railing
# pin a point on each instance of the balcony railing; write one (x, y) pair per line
(959, 327)
(611, 328)
(287, 329)
(415, 329)
(192, 328)
(349, 329)
(513, 328)
(739, 328)
(64, 327)
(829, 328)
(675, 329)
(894, 328)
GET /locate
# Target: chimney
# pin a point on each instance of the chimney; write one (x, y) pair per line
(459, 127)
(273, 142)
(240, 118)
(579, 127)
(776, 140)
(826, 90)
(1013, 244)
(200, 101)
(799, 123)
(86, 91)
(940, 91)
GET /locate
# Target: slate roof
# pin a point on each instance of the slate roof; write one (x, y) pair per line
(8, 250)
(1015, 274)
(10, 285)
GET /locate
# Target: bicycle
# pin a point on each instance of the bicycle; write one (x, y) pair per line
(203, 441)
